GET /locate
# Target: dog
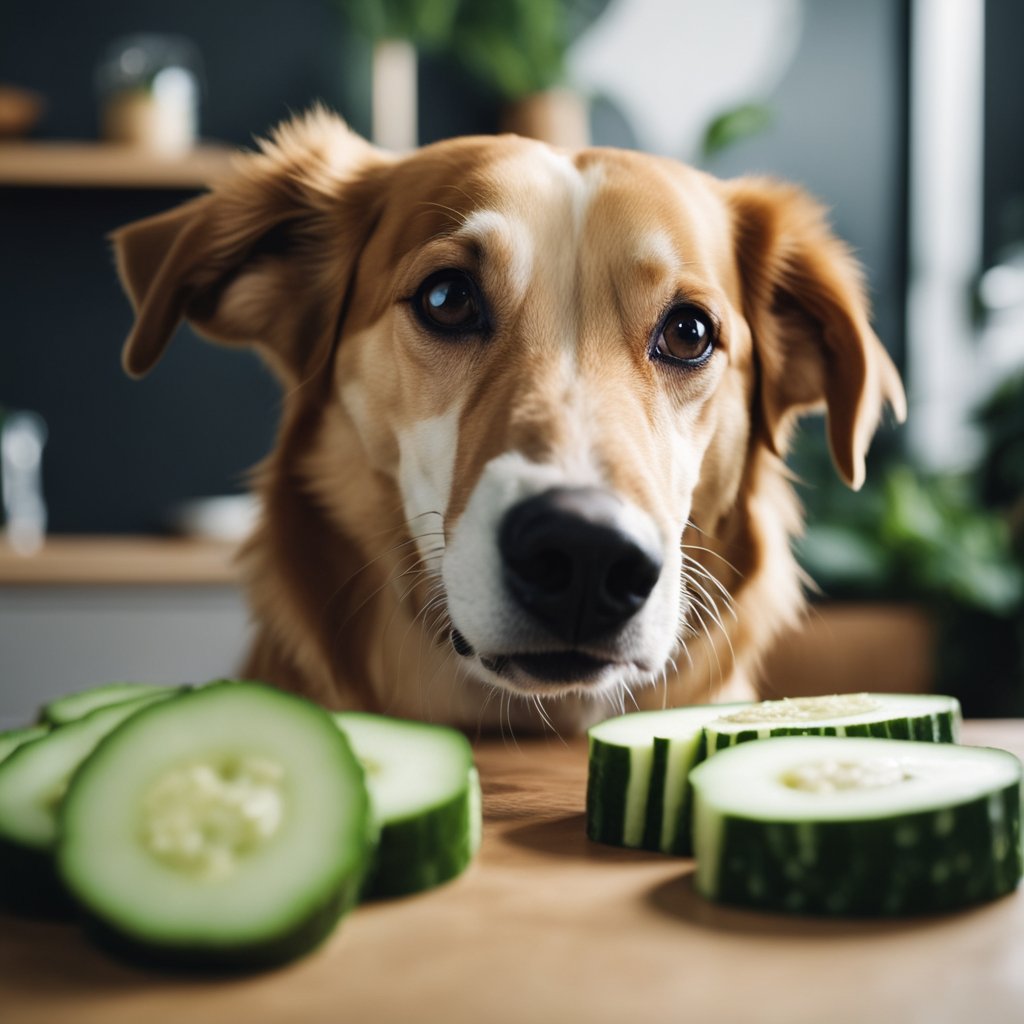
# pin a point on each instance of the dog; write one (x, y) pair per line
(530, 462)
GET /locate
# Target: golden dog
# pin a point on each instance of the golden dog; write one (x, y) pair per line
(535, 408)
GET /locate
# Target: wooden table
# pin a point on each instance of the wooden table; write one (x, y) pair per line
(547, 927)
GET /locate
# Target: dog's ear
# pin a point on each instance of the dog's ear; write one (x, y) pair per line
(264, 258)
(805, 302)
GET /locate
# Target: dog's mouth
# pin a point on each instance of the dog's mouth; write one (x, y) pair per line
(547, 669)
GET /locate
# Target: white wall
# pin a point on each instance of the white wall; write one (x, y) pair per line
(54, 640)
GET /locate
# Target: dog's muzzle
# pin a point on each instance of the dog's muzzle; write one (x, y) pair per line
(558, 588)
(572, 563)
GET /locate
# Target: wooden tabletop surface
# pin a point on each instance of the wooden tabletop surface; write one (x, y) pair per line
(548, 927)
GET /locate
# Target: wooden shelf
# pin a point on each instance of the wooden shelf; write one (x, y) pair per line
(105, 165)
(121, 561)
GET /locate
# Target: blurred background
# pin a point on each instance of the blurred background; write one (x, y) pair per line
(905, 116)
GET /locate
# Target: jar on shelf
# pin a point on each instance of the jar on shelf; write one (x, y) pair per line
(149, 93)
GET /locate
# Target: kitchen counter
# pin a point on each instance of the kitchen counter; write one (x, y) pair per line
(121, 561)
(546, 926)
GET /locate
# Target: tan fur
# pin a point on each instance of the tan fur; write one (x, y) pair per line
(310, 251)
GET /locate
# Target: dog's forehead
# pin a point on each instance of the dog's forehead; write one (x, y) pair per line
(516, 192)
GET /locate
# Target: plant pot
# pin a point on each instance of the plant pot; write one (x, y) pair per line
(558, 116)
(394, 95)
(850, 648)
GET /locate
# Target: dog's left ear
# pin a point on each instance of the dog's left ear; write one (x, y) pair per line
(263, 259)
(805, 302)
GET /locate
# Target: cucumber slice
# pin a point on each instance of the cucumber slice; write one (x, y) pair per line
(425, 794)
(32, 784)
(75, 705)
(637, 789)
(891, 716)
(857, 827)
(637, 792)
(14, 738)
(227, 828)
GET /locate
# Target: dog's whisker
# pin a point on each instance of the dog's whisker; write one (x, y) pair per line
(727, 638)
(432, 630)
(683, 646)
(449, 663)
(390, 550)
(491, 691)
(433, 600)
(704, 573)
(542, 712)
(368, 565)
(697, 607)
(709, 604)
(389, 581)
(443, 665)
(417, 575)
(711, 551)
(430, 204)
(435, 632)
(693, 584)
(627, 692)
(698, 610)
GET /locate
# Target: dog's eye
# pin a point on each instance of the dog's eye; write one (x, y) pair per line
(449, 301)
(687, 336)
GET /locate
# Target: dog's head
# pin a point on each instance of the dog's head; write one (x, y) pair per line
(545, 369)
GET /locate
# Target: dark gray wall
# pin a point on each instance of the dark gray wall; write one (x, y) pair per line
(1004, 128)
(121, 452)
(839, 129)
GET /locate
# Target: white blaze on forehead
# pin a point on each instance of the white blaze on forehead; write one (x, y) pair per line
(545, 213)
(580, 185)
(426, 465)
(496, 231)
(656, 249)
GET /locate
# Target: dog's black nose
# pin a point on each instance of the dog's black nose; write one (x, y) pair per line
(571, 559)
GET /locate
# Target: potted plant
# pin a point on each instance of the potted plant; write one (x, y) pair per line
(930, 570)
(396, 29)
(518, 49)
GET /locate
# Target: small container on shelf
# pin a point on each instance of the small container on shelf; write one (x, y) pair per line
(20, 110)
(149, 93)
(22, 438)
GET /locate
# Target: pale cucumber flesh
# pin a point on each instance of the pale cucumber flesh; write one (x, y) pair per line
(857, 827)
(928, 717)
(639, 763)
(33, 779)
(14, 738)
(637, 770)
(76, 705)
(229, 827)
(425, 793)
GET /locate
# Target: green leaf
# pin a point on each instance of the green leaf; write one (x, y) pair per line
(735, 125)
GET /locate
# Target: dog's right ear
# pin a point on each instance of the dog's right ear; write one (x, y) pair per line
(265, 258)
(809, 318)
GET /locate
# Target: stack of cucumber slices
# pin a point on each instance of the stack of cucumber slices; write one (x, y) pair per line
(228, 825)
(860, 804)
